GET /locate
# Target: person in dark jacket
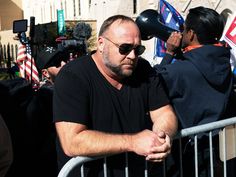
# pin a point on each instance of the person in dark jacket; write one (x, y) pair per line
(6, 152)
(27, 113)
(198, 84)
(39, 113)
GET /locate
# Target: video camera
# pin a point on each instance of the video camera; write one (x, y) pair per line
(78, 44)
(74, 46)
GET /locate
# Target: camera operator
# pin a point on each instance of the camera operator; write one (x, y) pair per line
(49, 61)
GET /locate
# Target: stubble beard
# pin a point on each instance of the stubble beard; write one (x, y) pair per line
(117, 69)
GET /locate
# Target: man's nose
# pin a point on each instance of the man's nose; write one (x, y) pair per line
(132, 54)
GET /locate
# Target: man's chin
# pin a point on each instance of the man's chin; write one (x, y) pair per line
(127, 72)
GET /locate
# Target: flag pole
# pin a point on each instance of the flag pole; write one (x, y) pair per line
(31, 41)
(25, 60)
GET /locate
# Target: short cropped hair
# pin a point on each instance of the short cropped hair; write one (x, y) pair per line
(206, 23)
(108, 22)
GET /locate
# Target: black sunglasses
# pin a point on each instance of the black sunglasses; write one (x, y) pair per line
(125, 49)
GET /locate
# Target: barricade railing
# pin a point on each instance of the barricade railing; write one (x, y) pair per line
(208, 129)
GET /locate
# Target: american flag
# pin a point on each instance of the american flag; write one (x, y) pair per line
(25, 62)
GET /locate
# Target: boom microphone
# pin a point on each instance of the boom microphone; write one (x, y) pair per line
(150, 26)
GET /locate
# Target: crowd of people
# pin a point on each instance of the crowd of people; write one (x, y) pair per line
(112, 102)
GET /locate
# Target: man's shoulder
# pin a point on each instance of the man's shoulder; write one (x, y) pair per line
(178, 65)
(86, 59)
(78, 64)
(82, 68)
(144, 66)
(143, 61)
(179, 68)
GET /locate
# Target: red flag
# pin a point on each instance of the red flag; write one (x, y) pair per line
(230, 35)
(26, 62)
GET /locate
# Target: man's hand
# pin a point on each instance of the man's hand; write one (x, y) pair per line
(154, 146)
(160, 151)
(173, 42)
(147, 142)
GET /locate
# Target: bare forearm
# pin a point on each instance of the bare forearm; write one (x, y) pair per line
(169, 126)
(165, 120)
(94, 143)
(77, 140)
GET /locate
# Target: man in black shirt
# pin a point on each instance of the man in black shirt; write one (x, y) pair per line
(112, 102)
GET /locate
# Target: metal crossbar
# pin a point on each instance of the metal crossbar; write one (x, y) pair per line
(207, 127)
(192, 131)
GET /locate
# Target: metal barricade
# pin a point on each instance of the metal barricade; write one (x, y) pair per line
(208, 129)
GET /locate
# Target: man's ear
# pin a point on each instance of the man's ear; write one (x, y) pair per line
(192, 35)
(100, 44)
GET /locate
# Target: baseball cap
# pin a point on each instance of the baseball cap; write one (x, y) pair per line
(51, 56)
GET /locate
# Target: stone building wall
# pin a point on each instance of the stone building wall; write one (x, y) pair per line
(97, 10)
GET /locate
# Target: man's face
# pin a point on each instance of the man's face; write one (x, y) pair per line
(185, 42)
(189, 38)
(118, 61)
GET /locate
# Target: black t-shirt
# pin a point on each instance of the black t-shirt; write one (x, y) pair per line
(84, 96)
